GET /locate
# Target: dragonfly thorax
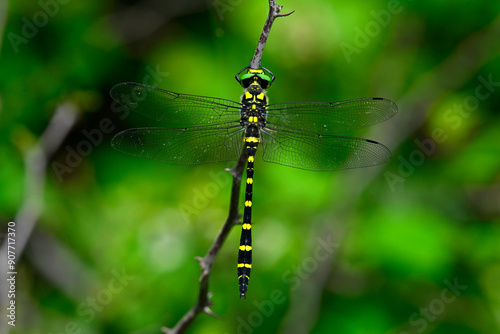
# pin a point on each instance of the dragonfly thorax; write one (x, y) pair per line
(200, 129)
(253, 106)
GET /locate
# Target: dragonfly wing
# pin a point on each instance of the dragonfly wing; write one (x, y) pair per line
(321, 153)
(328, 118)
(176, 110)
(183, 146)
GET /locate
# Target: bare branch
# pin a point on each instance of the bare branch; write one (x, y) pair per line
(203, 303)
(274, 12)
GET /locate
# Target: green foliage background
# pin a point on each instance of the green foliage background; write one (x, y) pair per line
(400, 234)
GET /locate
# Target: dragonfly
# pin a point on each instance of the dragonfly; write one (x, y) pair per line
(193, 129)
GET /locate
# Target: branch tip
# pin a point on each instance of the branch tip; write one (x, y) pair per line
(283, 15)
(211, 313)
(274, 12)
(166, 330)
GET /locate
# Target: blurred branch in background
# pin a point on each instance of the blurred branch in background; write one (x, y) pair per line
(4, 9)
(305, 302)
(36, 161)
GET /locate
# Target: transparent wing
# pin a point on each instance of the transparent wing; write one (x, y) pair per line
(328, 118)
(321, 153)
(183, 146)
(175, 110)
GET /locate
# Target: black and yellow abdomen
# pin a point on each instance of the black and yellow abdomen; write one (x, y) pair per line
(201, 129)
(245, 250)
(254, 103)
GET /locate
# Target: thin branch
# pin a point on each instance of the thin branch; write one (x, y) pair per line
(274, 12)
(203, 303)
(36, 161)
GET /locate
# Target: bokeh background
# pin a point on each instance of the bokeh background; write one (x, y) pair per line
(407, 247)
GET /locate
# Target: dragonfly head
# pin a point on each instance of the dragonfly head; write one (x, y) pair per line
(255, 77)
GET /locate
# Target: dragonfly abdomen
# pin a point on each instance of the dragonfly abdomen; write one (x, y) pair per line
(200, 129)
(245, 250)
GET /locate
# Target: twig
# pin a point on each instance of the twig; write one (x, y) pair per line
(274, 12)
(203, 303)
(36, 161)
